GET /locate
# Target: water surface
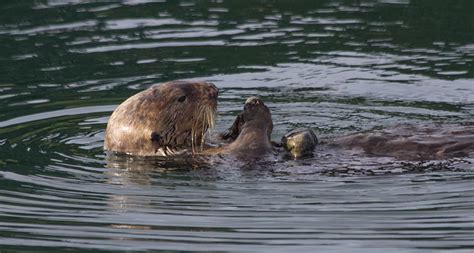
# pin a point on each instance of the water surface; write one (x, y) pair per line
(334, 66)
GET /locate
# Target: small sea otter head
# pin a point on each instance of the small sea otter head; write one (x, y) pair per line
(163, 119)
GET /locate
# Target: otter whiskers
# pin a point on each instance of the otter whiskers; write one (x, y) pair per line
(203, 122)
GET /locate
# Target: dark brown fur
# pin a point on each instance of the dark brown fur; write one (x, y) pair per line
(252, 132)
(410, 142)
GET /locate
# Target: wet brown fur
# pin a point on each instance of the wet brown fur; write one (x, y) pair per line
(251, 132)
(410, 142)
(155, 120)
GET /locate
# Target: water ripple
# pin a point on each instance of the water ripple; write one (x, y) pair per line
(334, 66)
(129, 46)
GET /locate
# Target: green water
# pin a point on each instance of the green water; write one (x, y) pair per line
(334, 66)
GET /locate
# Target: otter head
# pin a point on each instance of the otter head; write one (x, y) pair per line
(163, 119)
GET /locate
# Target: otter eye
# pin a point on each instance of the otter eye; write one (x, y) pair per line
(182, 98)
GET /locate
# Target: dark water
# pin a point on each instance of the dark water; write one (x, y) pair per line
(335, 66)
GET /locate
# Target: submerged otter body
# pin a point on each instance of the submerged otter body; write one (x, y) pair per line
(409, 142)
(163, 120)
(403, 142)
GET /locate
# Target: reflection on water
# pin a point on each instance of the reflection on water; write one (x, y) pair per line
(334, 66)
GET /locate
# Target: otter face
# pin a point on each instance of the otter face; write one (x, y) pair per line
(191, 110)
(163, 119)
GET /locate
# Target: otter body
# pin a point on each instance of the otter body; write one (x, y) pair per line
(251, 132)
(409, 142)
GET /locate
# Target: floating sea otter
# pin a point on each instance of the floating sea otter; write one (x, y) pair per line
(173, 118)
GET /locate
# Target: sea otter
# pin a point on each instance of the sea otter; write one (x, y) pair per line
(172, 119)
(163, 120)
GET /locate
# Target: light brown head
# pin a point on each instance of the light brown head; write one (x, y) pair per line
(163, 119)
